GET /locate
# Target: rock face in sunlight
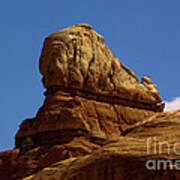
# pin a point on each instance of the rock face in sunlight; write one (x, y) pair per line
(89, 91)
(95, 120)
(77, 58)
(127, 157)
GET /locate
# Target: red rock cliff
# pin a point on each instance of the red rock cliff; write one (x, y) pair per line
(95, 111)
(89, 91)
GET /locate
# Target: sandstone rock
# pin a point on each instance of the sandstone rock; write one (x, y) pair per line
(95, 117)
(89, 91)
(77, 58)
(122, 157)
(16, 164)
(125, 157)
(63, 117)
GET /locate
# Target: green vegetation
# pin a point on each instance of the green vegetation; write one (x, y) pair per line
(27, 144)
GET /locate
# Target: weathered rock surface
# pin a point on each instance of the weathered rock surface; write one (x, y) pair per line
(95, 111)
(15, 164)
(127, 157)
(123, 157)
(78, 58)
(64, 116)
(89, 92)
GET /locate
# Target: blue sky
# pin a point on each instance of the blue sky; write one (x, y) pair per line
(144, 35)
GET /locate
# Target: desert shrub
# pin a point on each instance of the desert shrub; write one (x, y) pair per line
(27, 144)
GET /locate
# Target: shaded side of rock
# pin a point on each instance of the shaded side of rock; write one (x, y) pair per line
(15, 164)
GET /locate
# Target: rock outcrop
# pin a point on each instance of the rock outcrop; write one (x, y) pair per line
(95, 109)
(127, 157)
(88, 91)
(77, 58)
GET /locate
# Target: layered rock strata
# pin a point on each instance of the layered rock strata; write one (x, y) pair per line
(89, 92)
(120, 158)
(95, 111)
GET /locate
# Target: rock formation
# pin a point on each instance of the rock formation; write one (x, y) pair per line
(89, 91)
(126, 157)
(77, 58)
(95, 111)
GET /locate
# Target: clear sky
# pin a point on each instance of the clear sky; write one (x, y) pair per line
(143, 34)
